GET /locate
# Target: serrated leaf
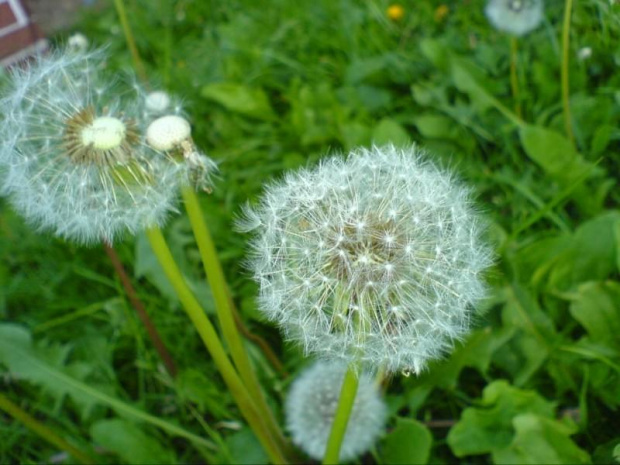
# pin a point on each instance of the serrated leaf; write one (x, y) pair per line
(541, 440)
(409, 442)
(488, 427)
(129, 442)
(239, 98)
(597, 308)
(476, 352)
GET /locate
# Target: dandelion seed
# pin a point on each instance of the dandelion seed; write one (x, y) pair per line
(311, 406)
(72, 157)
(419, 251)
(157, 102)
(516, 17)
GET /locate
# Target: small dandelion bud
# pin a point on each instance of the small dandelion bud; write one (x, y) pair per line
(77, 42)
(311, 406)
(72, 158)
(173, 134)
(157, 102)
(516, 17)
(374, 258)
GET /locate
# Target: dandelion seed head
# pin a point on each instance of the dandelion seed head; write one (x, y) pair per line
(415, 248)
(311, 406)
(157, 102)
(516, 17)
(73, 160)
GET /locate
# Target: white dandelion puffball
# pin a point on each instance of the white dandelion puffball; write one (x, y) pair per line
(516, 17)
(311, 406)
(73, 160)
(374, 258)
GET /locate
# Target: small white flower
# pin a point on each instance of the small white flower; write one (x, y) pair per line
(517, 17)
(374, 258)
(72, 157)
(311, 407)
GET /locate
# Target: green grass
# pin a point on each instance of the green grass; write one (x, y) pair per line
(277, 85)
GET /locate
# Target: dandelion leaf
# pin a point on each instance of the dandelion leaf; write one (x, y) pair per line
(489, 427)
(408, 443)
(541, 440)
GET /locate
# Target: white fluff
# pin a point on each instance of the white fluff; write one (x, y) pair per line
(517, 17)
(94, 183)
(311, 407)
(375, 257)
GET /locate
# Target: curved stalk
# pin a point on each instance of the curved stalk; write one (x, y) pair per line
(214, 346)
(514, 79)
(565, 77)
(43, 431)
(223, 305)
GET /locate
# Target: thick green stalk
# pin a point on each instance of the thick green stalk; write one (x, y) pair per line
(43, 431)
(219, 288)
(564, 78)
(212, 342)
(343, 412)
(514, 79)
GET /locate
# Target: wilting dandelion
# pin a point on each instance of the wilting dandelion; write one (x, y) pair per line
(172, 134)
(73, 159)
(517, 17)
(374, 258)
(311, 407)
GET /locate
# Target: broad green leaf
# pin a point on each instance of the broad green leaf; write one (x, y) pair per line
(541, 440)
(597, 308)
(463, 76)
(552, 152)
(591, 255)
(22, 360)
(489, 427)
(129, 442)
(408, 443)
(247, 101)
(476, 352)
(436, 52)
(436, 126)
(389, 131)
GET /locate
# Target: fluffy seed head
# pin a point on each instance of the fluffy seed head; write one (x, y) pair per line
(516, 17)
(376, 257)
(311, 407)
(72, 157)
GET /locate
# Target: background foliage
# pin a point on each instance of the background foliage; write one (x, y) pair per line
(277, 85)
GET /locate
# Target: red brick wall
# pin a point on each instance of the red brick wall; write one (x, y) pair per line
(19, 37)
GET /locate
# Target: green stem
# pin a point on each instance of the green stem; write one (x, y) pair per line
(343, 412)
(564, 78)
(42, 430)
(213, 345)
(223, 306)
(131, 43)
(514, 80)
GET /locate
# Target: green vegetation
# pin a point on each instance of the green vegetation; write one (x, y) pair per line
(276, 85)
